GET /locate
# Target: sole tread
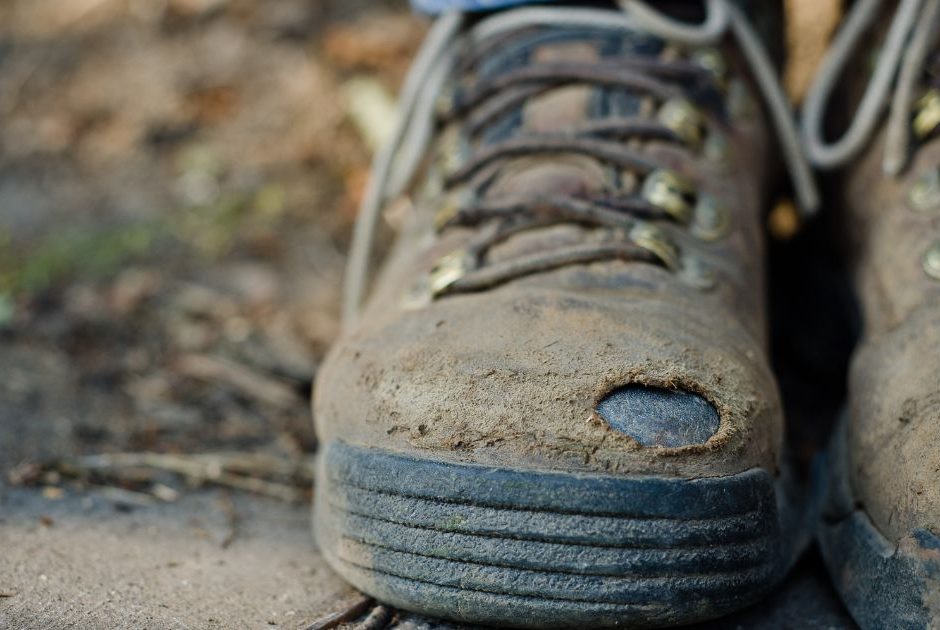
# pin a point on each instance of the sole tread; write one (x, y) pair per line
(547, 549)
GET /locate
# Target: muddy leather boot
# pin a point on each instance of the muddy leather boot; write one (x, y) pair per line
(556, 407)
(880, 532)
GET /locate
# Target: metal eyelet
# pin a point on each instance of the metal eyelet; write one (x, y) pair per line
(433, 183)
(681, 117)
(449, 270)
(670, 192)
(450, 207)
(714, 62)
(926, 114)
(446, 213)
(741, 105)
(454, 151)
(655, 241)
(711, 220)
(716, 150)
(696, 273)
(924, 195)
(446, 101)
(932, 261)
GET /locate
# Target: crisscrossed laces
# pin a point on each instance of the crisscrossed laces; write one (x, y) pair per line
(397, 162)
(623, 212)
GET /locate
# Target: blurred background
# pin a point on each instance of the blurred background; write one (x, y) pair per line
(178, 180)
(177, 184)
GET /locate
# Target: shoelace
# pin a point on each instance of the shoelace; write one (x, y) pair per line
(663, 195)
(396, 163)
(912, 33)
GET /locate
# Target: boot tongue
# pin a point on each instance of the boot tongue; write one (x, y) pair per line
(569, 176)
(552, 112)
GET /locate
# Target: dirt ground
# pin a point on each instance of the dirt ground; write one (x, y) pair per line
(178, 180)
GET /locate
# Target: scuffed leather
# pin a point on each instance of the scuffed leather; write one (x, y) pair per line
(512, 376)
(894, 384)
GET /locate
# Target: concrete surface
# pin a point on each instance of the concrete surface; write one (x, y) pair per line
(215, 559)
(210, 560)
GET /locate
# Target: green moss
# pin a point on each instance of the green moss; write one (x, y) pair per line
(451, 523)
(7, 309)
(73, 253)
(211, 229)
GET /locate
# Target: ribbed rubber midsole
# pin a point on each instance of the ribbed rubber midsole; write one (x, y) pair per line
(562, 547)
(883, 583)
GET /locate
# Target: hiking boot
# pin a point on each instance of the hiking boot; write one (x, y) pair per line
(880, 534)
(556, 408)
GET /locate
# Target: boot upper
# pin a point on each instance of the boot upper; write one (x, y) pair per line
(894, 384)
(588, 220)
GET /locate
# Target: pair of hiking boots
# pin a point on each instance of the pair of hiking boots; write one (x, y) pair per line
(556, 407)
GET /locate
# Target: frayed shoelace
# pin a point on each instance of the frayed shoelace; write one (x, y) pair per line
(397, 162)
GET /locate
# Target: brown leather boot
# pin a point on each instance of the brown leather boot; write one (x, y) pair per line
(556, 408)
(881, 530)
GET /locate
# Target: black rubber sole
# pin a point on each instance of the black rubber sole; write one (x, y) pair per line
(884, 585)
(547, 549)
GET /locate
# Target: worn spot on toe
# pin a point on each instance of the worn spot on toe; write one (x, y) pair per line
(660, 417)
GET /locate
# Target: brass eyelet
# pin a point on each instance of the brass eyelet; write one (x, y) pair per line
(714, 62)
(670, 192)
(454, 151)
(710, 221)
(446, 213)
(657, 242)
(450, 207)
(926, 114)
(446, 101)
(932, 261)
(681, 117)
(741, 105)
(433, 183)
(449, 270)
(924, 195)
(696, 273)
(716, 150)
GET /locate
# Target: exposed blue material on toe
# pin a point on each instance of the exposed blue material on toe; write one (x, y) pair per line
(927, 539)
(660, 417)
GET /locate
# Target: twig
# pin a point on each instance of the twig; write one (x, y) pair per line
(231, 515)
(203, 468)
(123, 496)
(349, 613)
(211, 464)
(251, 383)
(376, 620)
